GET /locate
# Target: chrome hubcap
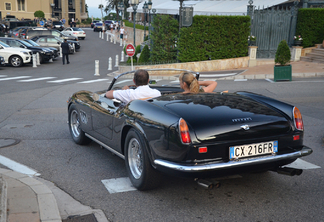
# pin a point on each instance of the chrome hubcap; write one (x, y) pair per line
(135, 158)
(75, 124)
(15, 61)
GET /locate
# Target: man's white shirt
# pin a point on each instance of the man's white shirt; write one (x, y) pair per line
(140, 92)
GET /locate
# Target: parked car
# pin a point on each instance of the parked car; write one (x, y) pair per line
(58, 25)
(52, 41)
(30, 33)
(196, 135)
(13, 56)
(108, 24)
(54, 50)
(78, 32)
(2, 61)
(45, 54)
(15, 32)
(97, 27)
(94, 22)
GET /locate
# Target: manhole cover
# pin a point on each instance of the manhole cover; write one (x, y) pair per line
(8, 142)
(85, 218)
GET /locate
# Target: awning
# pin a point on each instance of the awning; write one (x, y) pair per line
(204, 7)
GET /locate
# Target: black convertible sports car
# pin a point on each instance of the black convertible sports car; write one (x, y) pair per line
(197, 135)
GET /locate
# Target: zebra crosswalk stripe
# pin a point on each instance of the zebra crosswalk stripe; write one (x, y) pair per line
(63, 80)
(13, 78)
(36, 79)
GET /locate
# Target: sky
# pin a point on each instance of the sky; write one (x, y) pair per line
(93, 8)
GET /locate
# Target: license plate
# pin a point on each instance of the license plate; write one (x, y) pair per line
(251, 150)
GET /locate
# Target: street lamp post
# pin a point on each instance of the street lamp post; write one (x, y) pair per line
(149, 7)
(145, 7)
(134, 4)
(52, 5)
(121, 8)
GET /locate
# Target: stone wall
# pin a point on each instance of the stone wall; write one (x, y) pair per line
(202, 66)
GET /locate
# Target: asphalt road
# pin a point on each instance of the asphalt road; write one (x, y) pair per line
(35, 113)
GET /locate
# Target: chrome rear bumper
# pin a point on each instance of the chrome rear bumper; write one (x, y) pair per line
(231, 164)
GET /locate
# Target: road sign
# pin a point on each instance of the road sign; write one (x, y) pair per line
(41, 23)
(130, 50)
(187, 15)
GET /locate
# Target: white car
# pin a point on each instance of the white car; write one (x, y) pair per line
(15, 56)
(75, 31)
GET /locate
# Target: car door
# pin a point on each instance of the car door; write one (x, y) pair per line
(53, 42)
(104, 111)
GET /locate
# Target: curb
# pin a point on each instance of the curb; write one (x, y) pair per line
(48, 209)
(3, 200)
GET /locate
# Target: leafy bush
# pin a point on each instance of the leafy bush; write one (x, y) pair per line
(283, 53)
(164, 36)
(39, 14)
(310, 23)
(145, 55)
(214, 37)
(137, 26)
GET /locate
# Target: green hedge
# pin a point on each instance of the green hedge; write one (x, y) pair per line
(214, 37)
(310, 25)
(137, 26)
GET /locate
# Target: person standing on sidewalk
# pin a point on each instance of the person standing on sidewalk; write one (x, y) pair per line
(65, 51)
(121, 31)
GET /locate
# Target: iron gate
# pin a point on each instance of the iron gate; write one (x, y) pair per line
(271, 26)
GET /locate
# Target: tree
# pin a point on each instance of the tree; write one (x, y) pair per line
(39, 14)
(145, 55)
(101, 7)
(283, 54)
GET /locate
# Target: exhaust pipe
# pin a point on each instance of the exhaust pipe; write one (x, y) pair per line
(207, 184)
(289, 171)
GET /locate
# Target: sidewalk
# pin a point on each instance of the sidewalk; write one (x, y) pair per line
(32, 199)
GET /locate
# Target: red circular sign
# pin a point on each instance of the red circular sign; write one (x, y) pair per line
(130, 50)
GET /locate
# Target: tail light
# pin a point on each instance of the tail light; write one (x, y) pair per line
(298, 119)
(184, 132)
(16, 34)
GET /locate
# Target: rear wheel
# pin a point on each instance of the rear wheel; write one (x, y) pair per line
(16, 61)
(139, 169)
(77, 134)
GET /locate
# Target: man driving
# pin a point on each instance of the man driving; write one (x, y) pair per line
(142, 91)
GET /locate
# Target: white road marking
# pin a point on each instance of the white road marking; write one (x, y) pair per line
(3, 76)
(118, 185)
(13, 78)
(240, 80)
(302, 164)
(64, 80)
(216, 75)
(269, 80)
(17, 166)
(92, 81)
(175, 81)
(36, 79)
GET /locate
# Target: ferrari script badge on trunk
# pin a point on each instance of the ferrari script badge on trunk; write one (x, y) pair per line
(245, 127)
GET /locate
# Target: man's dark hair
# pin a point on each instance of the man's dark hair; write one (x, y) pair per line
(65, 40)
(141, 77)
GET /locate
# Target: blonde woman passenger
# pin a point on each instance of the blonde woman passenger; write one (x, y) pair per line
(190, 84)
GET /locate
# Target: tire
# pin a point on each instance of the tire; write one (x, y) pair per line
(16, 61)
(140, 172)
(76, 132)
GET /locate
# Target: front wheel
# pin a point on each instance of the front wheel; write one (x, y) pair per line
(140, 172)
(16, 61)
(77, 133)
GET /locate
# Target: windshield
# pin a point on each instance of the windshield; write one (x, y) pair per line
(98, 24)
(31, 42)
(4, 44)
(25, 43)
(59, 39)
(77, 29)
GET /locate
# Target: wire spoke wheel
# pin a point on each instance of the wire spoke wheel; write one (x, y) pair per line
(135, 159)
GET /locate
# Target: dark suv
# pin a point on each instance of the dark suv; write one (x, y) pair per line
(94, 22)
(58, 25)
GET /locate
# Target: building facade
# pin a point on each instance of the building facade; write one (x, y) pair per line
(57, 9)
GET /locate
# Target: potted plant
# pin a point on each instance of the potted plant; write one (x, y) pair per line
(283, 55)
(298, 40)
(252, 40)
